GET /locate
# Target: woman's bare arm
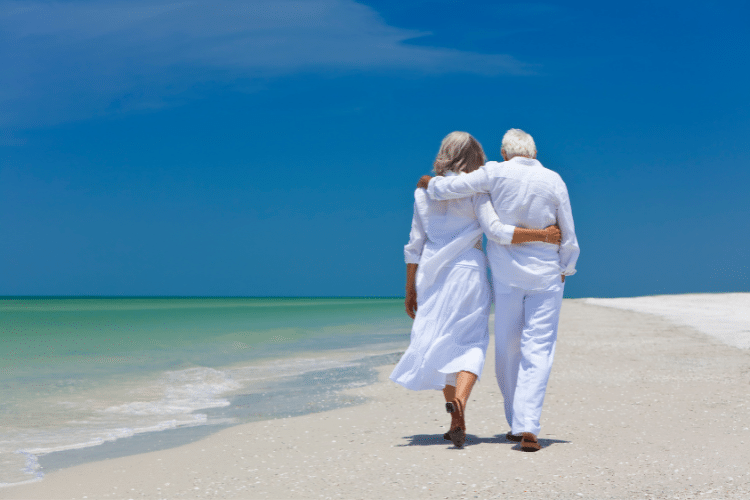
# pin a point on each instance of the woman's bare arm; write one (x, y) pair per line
(501, 233)
(550, 234)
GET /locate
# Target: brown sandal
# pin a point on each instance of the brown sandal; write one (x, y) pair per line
(512, 437)
(457, 434)
(454, 422)
(529, 442)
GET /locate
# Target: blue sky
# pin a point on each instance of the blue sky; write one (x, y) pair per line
(271, 147)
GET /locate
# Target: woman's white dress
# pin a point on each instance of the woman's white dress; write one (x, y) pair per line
(450, 332)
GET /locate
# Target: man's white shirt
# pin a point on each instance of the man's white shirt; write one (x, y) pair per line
(527, 195)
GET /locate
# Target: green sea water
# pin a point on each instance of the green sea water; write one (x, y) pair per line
(44, 334)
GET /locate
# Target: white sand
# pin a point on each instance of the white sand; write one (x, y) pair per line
(725, 316)
(637, 408)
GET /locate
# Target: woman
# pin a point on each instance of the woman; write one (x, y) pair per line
(447, 293)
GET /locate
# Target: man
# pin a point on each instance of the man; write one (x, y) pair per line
(528, 279)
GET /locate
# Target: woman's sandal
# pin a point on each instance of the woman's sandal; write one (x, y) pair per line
(457, 433)
(454, 422)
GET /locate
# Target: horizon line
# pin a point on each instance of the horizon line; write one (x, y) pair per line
(201, 296)
(71, 296)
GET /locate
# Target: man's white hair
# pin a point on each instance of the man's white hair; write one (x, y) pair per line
(516, 142)
(459, 152)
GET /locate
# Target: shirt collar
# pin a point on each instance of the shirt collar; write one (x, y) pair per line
(522, 160)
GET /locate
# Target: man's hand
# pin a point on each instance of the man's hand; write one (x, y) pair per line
(424, 181)
(411, 302)
(562, 277)
(552, 235)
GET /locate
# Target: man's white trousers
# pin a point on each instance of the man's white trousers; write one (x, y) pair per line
(525, 337)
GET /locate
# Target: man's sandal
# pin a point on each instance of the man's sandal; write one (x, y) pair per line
(512, 437)
(529, 442)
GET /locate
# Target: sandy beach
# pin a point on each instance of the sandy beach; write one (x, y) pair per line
(638, 406)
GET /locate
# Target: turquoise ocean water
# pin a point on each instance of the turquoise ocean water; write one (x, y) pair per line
(81, 375)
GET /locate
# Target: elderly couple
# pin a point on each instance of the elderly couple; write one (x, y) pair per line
(524, 210)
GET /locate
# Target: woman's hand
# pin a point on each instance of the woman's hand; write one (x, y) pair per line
(424, 181)
(411, 303)
(552, 235)
(411, 290)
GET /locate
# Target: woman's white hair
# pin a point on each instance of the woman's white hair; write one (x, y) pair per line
(516, 142)
(459, 152)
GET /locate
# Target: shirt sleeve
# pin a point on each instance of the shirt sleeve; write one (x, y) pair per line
(490, 222)
(569, 249)
(417, 238)
(459, 186)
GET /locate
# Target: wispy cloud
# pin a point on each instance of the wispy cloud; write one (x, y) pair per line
(76, 59)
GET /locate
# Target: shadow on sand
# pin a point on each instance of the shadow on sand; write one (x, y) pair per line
(471, 439)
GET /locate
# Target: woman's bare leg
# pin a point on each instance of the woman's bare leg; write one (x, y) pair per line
(457, 406)
(449, 392)
(464, 384)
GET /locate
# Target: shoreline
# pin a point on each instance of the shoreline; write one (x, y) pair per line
(77, 373)
(347, 368)
(636, 406)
